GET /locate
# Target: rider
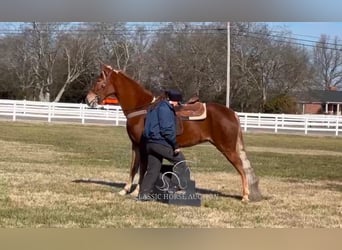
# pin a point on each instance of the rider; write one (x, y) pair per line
(160, 138)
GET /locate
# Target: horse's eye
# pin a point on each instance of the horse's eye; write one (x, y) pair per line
(103, 85)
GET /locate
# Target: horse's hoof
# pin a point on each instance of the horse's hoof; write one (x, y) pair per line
(123, 192)
(135, 193)
(245, 199)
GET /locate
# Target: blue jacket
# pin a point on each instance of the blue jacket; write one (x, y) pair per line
(160, 125)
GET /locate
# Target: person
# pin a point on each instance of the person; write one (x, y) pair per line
(159, 136)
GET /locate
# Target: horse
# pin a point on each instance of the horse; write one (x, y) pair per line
(221, 128)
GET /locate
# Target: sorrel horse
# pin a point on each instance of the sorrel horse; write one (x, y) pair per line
(221, 128)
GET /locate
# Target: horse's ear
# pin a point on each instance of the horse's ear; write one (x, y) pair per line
(106, 68)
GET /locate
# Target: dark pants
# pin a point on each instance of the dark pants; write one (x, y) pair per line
(155, 155)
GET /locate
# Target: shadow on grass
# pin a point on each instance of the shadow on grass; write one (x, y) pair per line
(217, 193)
(334, 187)
(121, 186)
(101, 182)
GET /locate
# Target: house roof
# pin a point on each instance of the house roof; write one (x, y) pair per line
(321, 96)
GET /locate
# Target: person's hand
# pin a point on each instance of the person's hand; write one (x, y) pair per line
(177, 150)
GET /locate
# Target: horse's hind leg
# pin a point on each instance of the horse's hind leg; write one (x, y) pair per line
(235, 160)
(133, 170)
(250, 183)
(252, 179)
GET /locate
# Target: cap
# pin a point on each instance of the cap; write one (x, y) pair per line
(174, 95)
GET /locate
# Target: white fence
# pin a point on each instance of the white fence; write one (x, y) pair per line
(287, 123)
(113, 115)
(64, 112)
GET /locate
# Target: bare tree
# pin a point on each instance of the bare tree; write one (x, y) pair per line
(249, 74)
(15, 61)
(78, 55)
(264, 66)
(43, 53)
(49, 61)
(140, 58)
(295, 71)
(328, 62)
(114, 46)
(190, 58)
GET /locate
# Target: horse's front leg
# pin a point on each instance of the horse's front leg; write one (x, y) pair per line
(133, 170)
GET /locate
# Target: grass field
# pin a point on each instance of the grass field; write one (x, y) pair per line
(69, 176)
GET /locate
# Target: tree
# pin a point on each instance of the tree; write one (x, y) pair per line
(189, 58)
(249, 75)
(114, 46)
(42, 51)
(328, 62)
(77, 56)
(280, 104)
(54, 61)
(16, 68)
(140, 58)
(264, 66)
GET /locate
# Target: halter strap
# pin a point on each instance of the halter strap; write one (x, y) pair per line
(139, 112)
(136, 113)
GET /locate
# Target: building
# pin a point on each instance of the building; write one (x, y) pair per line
(320, 102)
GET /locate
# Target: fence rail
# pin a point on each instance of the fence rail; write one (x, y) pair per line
(113, 115)
(326, 124)
(64, 112)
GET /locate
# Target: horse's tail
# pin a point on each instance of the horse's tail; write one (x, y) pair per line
(240, 145)
(253, 180)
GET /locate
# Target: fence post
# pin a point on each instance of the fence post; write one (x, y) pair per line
(245, 123)
(24, 106)
(276, 124)
(49, 112)
(82, 114)
(337, 123)
(117, 116)
(306, 125)
(107, 111)
(14, 110)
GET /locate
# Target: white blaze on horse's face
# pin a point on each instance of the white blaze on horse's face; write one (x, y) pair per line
(96, 94)
(92, 99)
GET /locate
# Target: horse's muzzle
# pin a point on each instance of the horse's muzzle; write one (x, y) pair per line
(92, 100)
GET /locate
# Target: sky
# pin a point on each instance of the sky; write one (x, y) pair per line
(311, 30)
(301, 30)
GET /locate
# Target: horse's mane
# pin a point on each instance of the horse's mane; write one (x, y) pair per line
(135, 82)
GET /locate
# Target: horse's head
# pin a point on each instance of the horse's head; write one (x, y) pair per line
(130, 94)
(101, 87)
